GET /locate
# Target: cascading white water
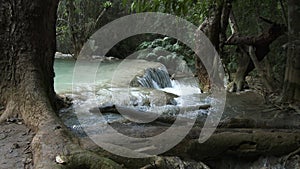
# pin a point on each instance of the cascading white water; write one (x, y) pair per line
(155, 78)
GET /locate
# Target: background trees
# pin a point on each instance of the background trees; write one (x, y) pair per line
(233, 27)
(79, 19)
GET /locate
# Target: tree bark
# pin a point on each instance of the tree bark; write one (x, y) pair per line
(260, 43)
(79, 30)
(73, 23)
(246, 143)
(243, 59)
(291, 90)
(211, 27)
(27, 38)
(266, 79)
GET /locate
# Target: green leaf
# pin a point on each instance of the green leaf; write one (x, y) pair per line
(133, 6)
(124, 3)
(107, 4)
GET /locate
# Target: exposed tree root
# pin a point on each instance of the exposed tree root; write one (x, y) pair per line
(9, 112)
(285, 158)
(240, 143)
(174, 162)
(47, 146)
(52, 138)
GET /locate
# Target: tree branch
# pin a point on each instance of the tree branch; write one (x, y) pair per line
(92, 27)
(285, 18)
(267, 20)
(264, 39)
(233, 26)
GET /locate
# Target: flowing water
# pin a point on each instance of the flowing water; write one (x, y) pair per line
(117, 83)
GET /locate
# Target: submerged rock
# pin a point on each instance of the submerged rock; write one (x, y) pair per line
(135, 97)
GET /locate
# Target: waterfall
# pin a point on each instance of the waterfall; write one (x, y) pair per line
(155, 78)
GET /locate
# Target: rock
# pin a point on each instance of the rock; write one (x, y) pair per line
(151, 57)
(160, 51)
(136, 97)
(61, 159)
(98, 57)
(105, 109)
(110, 58)
(15, 146)
(59, 55)
(102, 58)
(3, 136)
(14, 120)
(63, 101)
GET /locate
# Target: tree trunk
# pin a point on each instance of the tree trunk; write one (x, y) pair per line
(73, 23)
(27, 38)
(291, 90)
(243, 60)
(79, 30)
(211, 27)
(260, 42)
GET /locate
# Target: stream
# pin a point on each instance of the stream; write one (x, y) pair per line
(152, 91)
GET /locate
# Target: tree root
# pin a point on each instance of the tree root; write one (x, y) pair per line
(53, 141)
(10, 111)
(285, 158)
(237, 86)
(238, 142)
(174, 162)
(53, 146)
(86, 159)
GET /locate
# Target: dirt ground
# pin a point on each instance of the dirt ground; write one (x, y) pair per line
(15, 151)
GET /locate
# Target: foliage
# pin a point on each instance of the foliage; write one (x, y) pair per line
(247, 15)
(107, 4)
(192, 10)
(84, 15)
(173, 46)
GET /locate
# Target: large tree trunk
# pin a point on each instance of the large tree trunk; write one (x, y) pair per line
(27, 47)
(27, 50)
(291, 91)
